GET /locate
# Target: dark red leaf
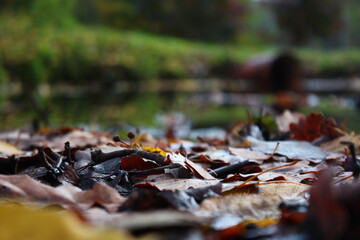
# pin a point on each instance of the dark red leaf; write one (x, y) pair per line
(135, 162)
(314, 126)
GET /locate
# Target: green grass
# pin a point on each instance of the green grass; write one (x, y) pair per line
(83, 54)
(330, 63)
(78, 53)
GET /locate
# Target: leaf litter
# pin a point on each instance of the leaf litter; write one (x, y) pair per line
(263, 181)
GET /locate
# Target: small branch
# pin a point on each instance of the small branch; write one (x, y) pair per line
(343, 179)
(267, 170)
(355, 165)
(222, 172)
(68, 152)
(43, 157)
(99, 157)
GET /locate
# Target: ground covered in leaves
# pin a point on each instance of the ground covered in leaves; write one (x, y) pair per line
(290, 176)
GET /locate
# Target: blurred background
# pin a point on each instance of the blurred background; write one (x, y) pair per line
(199, 63)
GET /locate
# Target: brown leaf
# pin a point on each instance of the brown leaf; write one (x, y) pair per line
(102, 195)
(244, 206)
(23, 187)
(336, 146)
(314, 126)
(280, 188)
(196, 168)
(78, 138)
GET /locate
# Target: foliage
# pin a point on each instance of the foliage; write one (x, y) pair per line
(58, 13)
(352, 11)
(305, 19)
(202, 19)
(4, 83)
(81, 53)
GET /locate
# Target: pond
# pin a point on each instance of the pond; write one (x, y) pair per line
(153, 109)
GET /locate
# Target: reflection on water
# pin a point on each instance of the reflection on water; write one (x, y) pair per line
(187, 110)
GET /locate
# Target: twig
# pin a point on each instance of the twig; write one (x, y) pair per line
(275, 149)
(68, 152)
(98, 157)
(225, 170)
(43, 157)
(355, 166)
(343, 179)
(267, 170)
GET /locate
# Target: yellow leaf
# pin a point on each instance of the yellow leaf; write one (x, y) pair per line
(21, 222)
(155, 150)
(9, 149)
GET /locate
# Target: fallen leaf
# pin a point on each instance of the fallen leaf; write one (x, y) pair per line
(9, 149)
(284, 120)
(240, 229)
(224, 155)
(336, 145)
(177, 184)
(279, 188)
(101, 195)
(314, 126)
(289, 149)
(158, 219)
(245, 206)
(196, 168)
(20, 222)
(135, 162)
(78, 138)
(246, 153)
(292, 177)
(22, 187)
(155, 150)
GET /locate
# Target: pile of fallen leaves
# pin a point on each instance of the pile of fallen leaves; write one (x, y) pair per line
(270, 178)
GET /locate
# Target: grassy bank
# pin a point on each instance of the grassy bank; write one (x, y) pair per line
(81, 54)
(99, 56)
